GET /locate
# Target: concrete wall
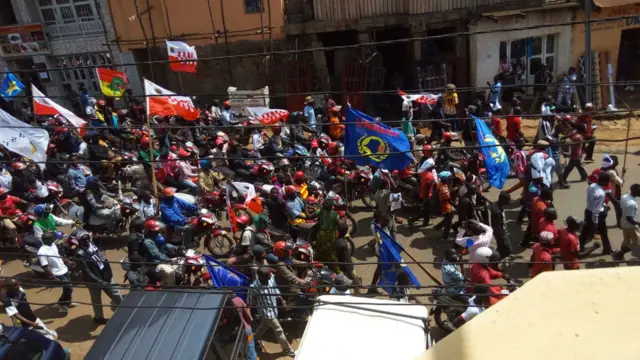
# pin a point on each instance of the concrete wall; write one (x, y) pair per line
(605, 36)
(192, 16)
(484, 49)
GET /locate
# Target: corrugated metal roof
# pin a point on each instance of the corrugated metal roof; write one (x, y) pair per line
(612, 3)
(160, 333)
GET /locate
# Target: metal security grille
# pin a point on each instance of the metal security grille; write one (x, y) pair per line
(75, 78)
(70, 18)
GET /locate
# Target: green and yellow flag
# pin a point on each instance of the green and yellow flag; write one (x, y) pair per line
(112, 83)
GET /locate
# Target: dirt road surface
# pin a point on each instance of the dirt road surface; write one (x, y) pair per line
(77, 330)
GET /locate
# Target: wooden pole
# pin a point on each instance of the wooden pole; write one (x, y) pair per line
(153, 36)
(168, 19)
(226, 43)
(626, 143)
(422, 267)
(144, 34)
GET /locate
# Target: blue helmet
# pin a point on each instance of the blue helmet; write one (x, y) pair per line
(91, 179)
(39, 210)
(58, 235)
(160, 240)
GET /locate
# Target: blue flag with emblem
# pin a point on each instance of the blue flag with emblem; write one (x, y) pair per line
(391, 261)
(495, 159)
(223, 276)
(10, 86)
(383, 146)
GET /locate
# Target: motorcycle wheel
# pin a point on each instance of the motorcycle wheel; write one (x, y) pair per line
(354, 224)
(443, 323)
(367, 199)
(219, 246)
(485, 182)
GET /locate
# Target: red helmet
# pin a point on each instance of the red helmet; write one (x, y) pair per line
(426, 151)
(226, 103)
(447, 136)
(314, 143)
(299, 175)
(173, 148)
(183, 153)
(568, 118)
(281, 250)
(101, 103)
(144, 141)
(324, 139)
(289, 189)
(61, 130)
(276, 130)
(168, 191)
(18, 165)
(51, 148)
(244, 220)
(152, 225)
(3, 191)
(332, 148)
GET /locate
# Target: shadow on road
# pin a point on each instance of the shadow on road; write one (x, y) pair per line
(78, 329)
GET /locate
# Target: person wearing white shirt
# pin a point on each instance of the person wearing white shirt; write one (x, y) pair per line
(629, 222)
(481, 236)
(53, 265)
(477, 304)
(595, 215)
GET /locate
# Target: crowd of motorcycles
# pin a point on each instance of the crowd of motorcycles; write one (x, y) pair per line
(263, 166)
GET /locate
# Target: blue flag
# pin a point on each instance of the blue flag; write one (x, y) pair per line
(225, 276)
(10, 86)
(390, 250)
(495, 159)
(365, 136)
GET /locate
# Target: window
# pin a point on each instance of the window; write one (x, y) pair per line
(74, 77)
(67, 11)
(253, 6)
(529, 54)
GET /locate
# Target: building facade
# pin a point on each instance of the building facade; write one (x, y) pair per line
(70, 35)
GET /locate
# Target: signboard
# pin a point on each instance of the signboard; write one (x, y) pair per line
(240, 99)
(23, 40)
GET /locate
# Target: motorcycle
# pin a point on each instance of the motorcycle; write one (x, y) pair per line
(450, 306)
(109, 226)
(358, 186)
(207, 229)
(193, 269)
(30, 245)
(24, 224)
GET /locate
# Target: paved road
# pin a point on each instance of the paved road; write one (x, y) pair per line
(77, 330)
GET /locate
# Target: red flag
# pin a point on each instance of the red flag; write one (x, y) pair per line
(42, 105)
(161, 101)
(185, 54)
(231, 213)
(424, 98)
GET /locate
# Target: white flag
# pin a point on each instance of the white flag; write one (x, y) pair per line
(43, 106)
(184, 57)
(23, 139)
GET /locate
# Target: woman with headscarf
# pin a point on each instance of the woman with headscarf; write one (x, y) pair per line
(327, 231)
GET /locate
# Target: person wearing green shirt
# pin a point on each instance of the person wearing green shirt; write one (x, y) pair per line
(328, 221)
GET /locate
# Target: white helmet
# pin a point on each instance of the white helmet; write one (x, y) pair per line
(483, 255)
(284, 162)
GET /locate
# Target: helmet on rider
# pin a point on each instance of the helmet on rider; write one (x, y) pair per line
(48, 208)
(298, 176)
(144, 142)
(314, 144)
(101, 103)
(447, 137)
(281, 250)
(18, 165)
(324, 140)
(243, 220)
(483, 255)
(226, 104)
(289, 190)
(40, 211)
(152, 225)
(160, 240)
(284, 162)
(426, 151)
(168, 192)
(183, 153)
(332, 148)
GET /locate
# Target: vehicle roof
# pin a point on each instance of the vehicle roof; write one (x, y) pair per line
(140, 332)
(333, 330)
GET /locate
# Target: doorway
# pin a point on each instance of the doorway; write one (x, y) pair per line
(629, 52)
(398, 61)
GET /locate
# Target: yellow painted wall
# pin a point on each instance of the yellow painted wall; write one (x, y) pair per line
(192, 16)
(605, 36)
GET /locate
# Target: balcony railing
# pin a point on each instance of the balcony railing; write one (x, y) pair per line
(356, 9)
(79, 28)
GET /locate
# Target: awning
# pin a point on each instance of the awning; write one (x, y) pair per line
(613, 3)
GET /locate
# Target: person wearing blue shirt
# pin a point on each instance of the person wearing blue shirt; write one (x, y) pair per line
(227, 116)
(494, 94)
(174, 213)
(75, 175)
(452, 278)
(309, 111)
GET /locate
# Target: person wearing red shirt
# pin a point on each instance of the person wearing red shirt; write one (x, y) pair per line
(570, 244)
(520, 165)
(427, 182)
(575, 159)
(586, 119)
(9, 210)
(548, 224)
(538, 206)
(481, 273)
(496, 125)
(514, 125)
(541, 257)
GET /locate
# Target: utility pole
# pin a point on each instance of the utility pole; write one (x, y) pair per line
(588, 60)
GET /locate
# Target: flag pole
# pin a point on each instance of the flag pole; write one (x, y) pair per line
(626, 142)
(153, 159)
(433, 278)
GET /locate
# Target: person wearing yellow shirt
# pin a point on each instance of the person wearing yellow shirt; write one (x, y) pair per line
(336, 130)
(450, 108)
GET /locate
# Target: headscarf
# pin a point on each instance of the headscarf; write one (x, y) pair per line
(606, 162)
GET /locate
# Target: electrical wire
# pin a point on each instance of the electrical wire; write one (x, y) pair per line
(352, 46)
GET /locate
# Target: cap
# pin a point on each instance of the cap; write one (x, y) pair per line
(272, 259)
(258, 250)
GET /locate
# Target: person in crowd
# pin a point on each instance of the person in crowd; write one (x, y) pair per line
(227, 116)
(570, 245)
(427, 184)
(18, 309)
(575, 157)
(541, 257)
(343, 255)
(55, 268)
(538, 206)
(474, 235)
(275, 206)
(499, 224)
(629, 223)
(329, 104)
(450, 108)
(9, 209)
(541, 80)
(309, 111)
(336, 130)
(327, 230)
(494, 94)
(452, 278)
(46, 221)
(187, 172)
(519, 166)
(241, 308)
(586, 118)
(565, 89)
(208, 177)
(446, 205)
(382, 220)
(514, 125)
(174, 213)
(97, 273)
(265, 296)
(477, 304)
(595, 214)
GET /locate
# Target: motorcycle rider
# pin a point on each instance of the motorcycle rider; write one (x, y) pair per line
(482, 272)
(285, 271)
(228, 117)
(248, 234)
(96, 270)
(295, 209)
(147, 206)
(93, 201)
(446, 157)
(427, 183)
(208, 177)
(9, 210)
(452, 278)
(300, 183)
(47, 221)
(277, 143)
(56, 168)
(275, 208)
(477, 304)
(236, 157)
(187, 172)
(23, 181)
(155, 249)
(174, 213)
